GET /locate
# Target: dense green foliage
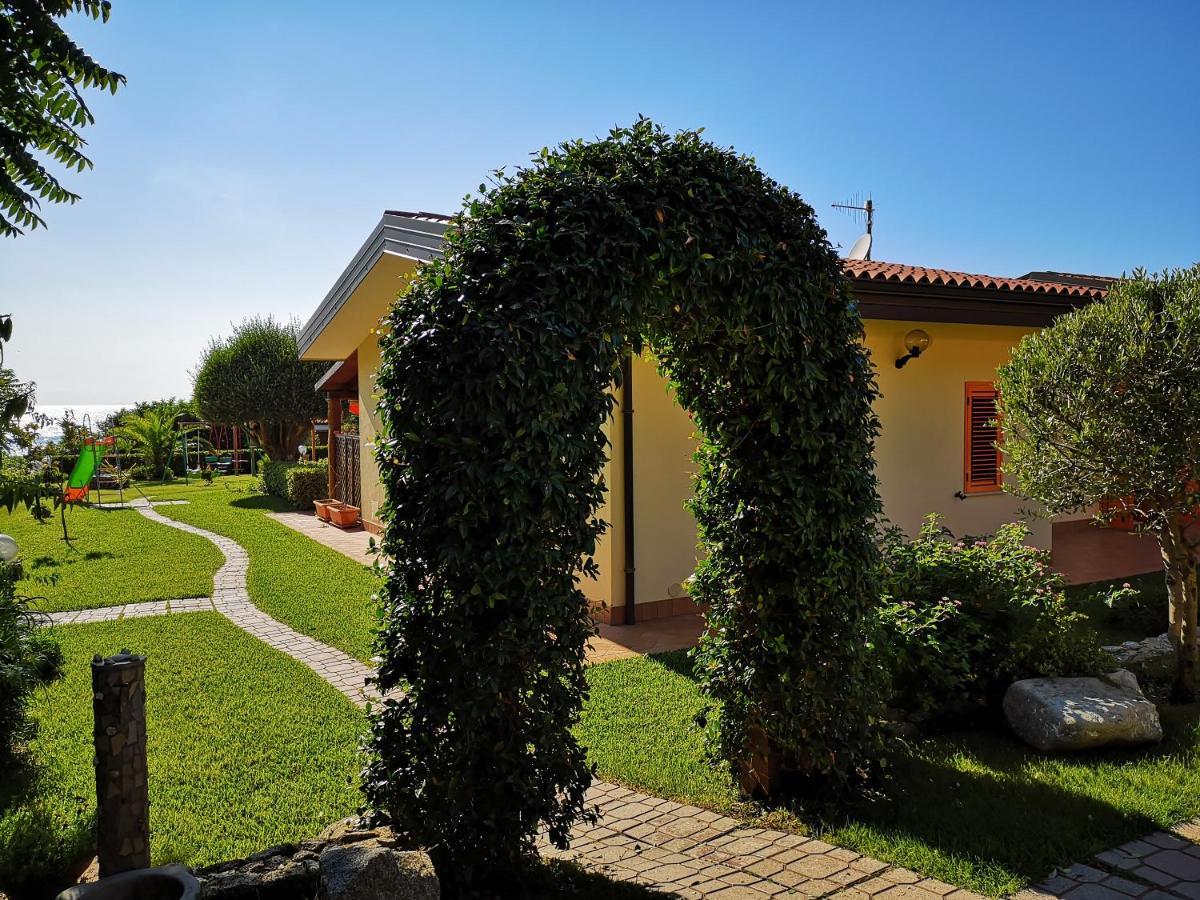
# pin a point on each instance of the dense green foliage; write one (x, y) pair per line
(1105, 405)
(963, 619)
(247, 748)
(29, 659)
(495, 386)
(298, 483)
(115, 556)
(42, 110)
(255, 379)
(150, 434)
(977, 809)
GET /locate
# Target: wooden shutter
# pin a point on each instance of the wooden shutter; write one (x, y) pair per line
(982, 438)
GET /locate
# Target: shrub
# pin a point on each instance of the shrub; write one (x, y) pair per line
(142, 472)
(307, 482)
(298, 483)
(963, 619)
(29, 659)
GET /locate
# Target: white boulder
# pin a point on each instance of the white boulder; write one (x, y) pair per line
(1057, 714)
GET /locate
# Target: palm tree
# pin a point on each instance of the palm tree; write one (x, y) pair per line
(152, 432)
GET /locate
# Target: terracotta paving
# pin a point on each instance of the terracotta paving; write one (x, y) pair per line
(684, 851)
(352, 542)
(657, 636)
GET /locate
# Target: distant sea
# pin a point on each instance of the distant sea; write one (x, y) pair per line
(95, 412)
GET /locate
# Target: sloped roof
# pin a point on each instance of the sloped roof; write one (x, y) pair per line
(898, 273)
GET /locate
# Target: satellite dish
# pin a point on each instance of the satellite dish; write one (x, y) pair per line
(861, 248)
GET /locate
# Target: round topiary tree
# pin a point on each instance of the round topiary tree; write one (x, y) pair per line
(495, 384)
(1104, 405)
(255, 378)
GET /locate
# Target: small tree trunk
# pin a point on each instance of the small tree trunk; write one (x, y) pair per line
(1183, 590)
(281, 440)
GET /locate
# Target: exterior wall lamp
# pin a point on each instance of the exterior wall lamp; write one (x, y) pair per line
(916, 342)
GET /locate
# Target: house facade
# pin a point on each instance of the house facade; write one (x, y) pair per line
(936, 450)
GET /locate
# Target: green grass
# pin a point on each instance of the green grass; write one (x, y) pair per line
(314, 589)
(976, 809)
(247, 747)
(114, 557)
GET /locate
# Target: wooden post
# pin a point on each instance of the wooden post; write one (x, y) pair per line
(119, 735)
(334, 416)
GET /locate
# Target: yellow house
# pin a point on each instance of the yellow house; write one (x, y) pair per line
(936, 339)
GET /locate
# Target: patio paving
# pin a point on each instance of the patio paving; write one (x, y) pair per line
(656, 636)
(351, 542)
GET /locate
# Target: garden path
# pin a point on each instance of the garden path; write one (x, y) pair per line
(682, 850)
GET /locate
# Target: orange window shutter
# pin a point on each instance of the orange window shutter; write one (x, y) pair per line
(981, 440)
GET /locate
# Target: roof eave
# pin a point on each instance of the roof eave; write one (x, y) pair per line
(418, 239)
(909, 301)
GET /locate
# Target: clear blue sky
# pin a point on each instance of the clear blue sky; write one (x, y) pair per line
(258, 142)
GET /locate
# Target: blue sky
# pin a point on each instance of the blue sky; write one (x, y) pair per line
(257, 144)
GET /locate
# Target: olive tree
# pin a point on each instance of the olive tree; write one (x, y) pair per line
(1102, 409)
(256, 379)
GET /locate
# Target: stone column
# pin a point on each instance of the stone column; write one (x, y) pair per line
(122, 799)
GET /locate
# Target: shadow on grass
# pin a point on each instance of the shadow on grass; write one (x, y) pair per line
(46, 833)
(977, 806)
(263, 501)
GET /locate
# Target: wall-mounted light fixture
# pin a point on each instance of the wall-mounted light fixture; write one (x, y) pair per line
(916, 342)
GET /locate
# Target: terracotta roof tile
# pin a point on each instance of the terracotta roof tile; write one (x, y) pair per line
(870, 270)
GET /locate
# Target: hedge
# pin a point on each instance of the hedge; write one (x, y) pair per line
(496, 381)
(298, 483)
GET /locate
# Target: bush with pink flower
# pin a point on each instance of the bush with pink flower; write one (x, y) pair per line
(963, 619)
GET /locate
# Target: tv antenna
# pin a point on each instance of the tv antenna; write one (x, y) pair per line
(861, 210)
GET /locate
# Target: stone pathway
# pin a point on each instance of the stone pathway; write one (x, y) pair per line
(232, 600)
(685, 851)
(688, 852)
(1164, 865)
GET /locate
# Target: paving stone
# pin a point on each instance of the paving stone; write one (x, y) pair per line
(1177, 864)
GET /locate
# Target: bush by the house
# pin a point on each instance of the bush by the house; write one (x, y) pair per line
(298, 483)
(962, 619)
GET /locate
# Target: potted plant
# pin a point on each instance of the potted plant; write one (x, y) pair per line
(343, 515)
(323, 506)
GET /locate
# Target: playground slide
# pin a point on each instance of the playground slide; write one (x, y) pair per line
(84, 471)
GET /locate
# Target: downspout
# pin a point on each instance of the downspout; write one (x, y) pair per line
(627, 503)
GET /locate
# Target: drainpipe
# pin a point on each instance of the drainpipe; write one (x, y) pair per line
(627, 505)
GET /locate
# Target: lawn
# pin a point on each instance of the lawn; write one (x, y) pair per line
(976, 809)
(247, 747)
(314, 589)
(114, 557)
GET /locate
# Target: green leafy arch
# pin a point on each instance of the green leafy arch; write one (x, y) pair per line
(495, 383)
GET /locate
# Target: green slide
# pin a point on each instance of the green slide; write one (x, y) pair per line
(81, 475)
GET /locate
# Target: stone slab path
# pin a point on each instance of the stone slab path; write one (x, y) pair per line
(231, 599)
(1164, 865)
(684, 851)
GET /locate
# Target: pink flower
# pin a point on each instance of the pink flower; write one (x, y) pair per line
(1127, 585)
(980, 544)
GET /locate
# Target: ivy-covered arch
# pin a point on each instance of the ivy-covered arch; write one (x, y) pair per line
(495, 384)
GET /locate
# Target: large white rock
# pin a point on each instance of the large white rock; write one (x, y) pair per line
(367, 872)
(1054, 714)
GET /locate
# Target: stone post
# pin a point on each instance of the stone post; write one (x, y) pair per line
(122, 799)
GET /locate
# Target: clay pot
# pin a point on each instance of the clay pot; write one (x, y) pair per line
(343, 515)
(323, 506)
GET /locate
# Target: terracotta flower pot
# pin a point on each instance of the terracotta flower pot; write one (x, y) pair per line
(323, 506)
(343, 515)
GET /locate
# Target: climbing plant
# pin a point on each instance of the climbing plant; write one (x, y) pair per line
(495, 383)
